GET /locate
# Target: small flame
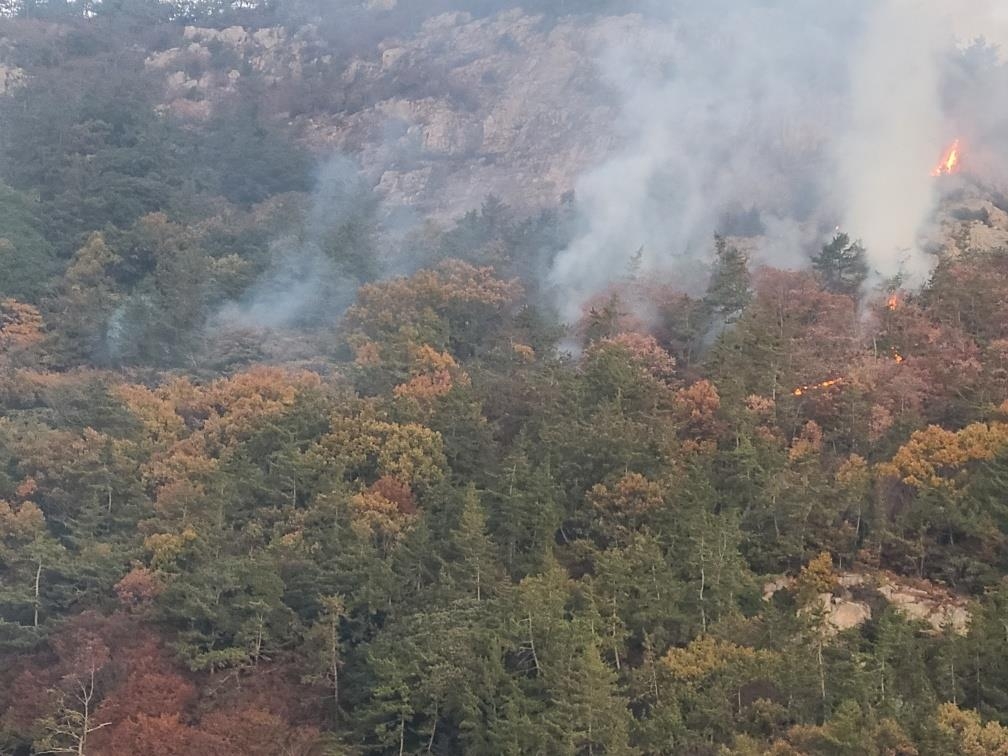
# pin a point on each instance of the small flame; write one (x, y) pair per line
(950, 162)
(802, 390)
(893, 302)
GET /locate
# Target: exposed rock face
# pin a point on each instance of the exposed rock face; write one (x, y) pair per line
(971, 220)
(10, 78)
(276, 57)
(936, 607)
(510, 105)
(843, 615)
(777, 584)
(921, 600)
(968, 218)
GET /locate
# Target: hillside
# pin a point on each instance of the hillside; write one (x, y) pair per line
(459, 109)
(462, 378)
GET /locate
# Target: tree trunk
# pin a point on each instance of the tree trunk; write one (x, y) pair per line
(535, 658)
(430, 743)
(38, 580)
(703, 583)
(822, 671)
(615, 646)
(334, 656)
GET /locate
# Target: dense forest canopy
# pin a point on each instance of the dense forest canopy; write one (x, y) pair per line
(280, 474)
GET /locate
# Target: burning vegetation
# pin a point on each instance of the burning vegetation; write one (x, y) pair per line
(951, 161)
(802, 390)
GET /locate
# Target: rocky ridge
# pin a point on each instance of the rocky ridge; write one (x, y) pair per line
(849, 605)
(509, 105)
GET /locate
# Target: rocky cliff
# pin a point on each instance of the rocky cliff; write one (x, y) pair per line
(511, 104)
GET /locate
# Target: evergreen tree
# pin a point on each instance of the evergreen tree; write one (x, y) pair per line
(841, 265)
(728, 291)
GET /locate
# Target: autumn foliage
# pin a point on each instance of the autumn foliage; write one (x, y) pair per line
(419, 513)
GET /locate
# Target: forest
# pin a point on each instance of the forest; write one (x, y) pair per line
(424, 515)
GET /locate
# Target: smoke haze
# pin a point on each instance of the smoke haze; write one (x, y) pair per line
(799, 115)
(304, 283)
(817, 114)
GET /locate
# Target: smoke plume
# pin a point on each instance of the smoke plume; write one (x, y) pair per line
(815, 113)
(314, 274)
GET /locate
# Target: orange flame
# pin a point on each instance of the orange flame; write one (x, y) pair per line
(802, 390)
(893, 302)
(950, 162)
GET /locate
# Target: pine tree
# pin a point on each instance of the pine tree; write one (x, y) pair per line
(477, 568)
(728, 291)
(325, 647)
(841, 265)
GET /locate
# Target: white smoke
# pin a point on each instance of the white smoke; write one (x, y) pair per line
(303, 283)
(814, 112)
(893, 136)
